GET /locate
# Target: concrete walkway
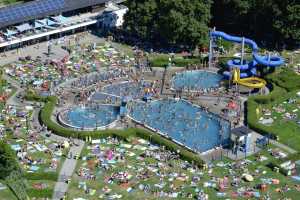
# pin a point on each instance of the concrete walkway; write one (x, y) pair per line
(67, 170)
(12, 100)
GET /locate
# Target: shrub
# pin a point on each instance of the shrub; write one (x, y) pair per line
(52, 176)
(285, 78)
(46, 119)
(283, 84)
(8, 161)
(276, 94)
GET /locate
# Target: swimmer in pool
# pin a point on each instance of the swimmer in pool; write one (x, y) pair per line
(206, 126)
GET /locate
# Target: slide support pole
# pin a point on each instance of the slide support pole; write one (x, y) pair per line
(210, 53)
(269, 59)
(243, 50)
(210, 56)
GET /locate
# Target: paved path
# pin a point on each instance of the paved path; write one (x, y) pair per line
(68, 168)
(12, 100)
(67, 171)
(41, 49)
(69, 165)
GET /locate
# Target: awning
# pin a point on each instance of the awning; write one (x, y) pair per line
(61, 19)
(42, 21)
(23, 27)
(10, 33)
(38, 25)
(46, 22)
(50, 22)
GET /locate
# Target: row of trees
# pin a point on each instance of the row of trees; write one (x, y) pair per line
(169, 22)
(8, 162)
(273, 23)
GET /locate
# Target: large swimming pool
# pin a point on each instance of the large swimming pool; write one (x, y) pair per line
(129, 89)
(183, 122)
(89, 117)
(196, 80)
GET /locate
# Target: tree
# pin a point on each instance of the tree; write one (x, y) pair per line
(169, 22)
(274, 23)
(8, 162)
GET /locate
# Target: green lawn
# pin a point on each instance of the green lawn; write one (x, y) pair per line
(286, 84)
(46, 190)
(132, 165)
(6, 2)
(287, 129)
(7, 194)
(162, 60)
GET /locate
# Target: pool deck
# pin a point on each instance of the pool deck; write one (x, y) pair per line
(214, 103)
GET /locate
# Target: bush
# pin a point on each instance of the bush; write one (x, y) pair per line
(8, 161)
(285, 78)
(52, 176)
(283, 84)
(32, 96)
(45, 117)
(277, 94)
(45, 193)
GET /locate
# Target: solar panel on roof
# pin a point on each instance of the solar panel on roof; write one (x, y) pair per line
(30, 10)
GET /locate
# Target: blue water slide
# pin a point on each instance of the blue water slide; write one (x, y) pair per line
(272, 61)
(248, 67)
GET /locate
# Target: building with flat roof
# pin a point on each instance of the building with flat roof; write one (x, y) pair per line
(38, 20)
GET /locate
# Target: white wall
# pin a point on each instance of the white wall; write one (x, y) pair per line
(114, 18)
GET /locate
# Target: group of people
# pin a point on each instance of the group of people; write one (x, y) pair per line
(112, 158)
(183, 122)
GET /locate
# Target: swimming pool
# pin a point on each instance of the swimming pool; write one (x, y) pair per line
(130, 89)
(196, 80)
(100, 116)
(184, 122)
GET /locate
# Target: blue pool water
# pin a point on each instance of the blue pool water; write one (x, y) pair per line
(183, 122)
(129, 89)
(196, 80)
(91, 117)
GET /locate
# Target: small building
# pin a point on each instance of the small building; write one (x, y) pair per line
(241, 138)
(113, 16)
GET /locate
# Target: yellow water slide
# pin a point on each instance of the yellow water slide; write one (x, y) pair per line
(251, 82)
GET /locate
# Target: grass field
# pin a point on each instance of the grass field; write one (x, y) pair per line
(287, 129)
(257, 169)
(6, 2)
(276, 105)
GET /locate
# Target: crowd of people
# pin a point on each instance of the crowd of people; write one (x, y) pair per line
(183, 122)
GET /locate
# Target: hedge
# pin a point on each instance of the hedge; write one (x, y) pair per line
(44, 193)
(285, 78)
(32, 96)
(45, 118)
(277, 94)
(253, 103)
(283, 86)
(52, 176)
